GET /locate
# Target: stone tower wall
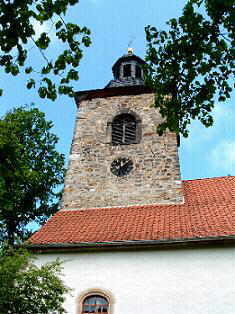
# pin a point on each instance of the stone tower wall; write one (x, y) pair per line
(89, 182)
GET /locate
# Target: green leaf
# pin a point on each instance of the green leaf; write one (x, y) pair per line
(42, 92)
(14, 70)
(18, 29)
(28, 70)
(222, 98)
(30, 84)
(58, 24)
(30, 168)
(86, 41)
(21, 279)
(43, 41)
(190, 63)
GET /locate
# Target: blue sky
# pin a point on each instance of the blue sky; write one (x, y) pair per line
(206, 153)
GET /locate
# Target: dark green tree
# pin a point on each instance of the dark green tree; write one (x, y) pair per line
(17, 37)
(191, 65)
(28, 289)
(30, 171)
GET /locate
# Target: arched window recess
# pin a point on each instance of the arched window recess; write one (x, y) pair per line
(126, 70)
(138, 72)
(125, 129)
(95, 303)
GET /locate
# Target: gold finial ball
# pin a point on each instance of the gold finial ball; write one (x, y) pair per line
(130, 51)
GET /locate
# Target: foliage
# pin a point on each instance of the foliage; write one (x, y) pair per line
(30, 170)
(28, 289)
(192, 64)
(18, 20)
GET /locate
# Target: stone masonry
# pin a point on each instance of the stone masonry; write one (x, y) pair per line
(89, 182)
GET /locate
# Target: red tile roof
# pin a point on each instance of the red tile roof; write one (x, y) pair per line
(208, 212)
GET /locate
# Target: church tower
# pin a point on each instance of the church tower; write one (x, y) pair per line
(117, 159)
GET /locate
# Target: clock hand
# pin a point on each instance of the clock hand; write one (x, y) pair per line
(119, 167)
(125, 165)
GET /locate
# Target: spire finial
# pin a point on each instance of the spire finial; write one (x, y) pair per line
(130, 51)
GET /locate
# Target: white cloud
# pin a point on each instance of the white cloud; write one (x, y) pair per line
(40, 28)
(223, 115)
(46, 27)
(223, 156)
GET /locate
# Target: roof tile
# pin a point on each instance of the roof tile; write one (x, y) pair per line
(208, 211)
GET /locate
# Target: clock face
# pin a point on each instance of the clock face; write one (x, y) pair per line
(121, 167)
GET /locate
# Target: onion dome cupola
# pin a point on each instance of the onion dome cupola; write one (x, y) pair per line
(127, 71)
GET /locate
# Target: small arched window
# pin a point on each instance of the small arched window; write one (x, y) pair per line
(127, 70)
(95, 304)
(124, 129)
(138, 73)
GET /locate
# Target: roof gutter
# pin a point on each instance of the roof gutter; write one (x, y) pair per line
(133, 244)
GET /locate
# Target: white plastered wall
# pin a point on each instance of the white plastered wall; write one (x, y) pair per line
(176, 281)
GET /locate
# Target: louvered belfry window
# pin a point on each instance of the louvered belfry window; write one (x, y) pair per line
(138, 73)
(124, 129)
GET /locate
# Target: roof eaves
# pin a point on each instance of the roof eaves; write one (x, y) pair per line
(135, 243)
(110, 92)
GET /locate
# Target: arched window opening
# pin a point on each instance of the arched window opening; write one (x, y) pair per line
(95, 304)
(117, 73)
(138, 73)
(124, 128)
(127, 70)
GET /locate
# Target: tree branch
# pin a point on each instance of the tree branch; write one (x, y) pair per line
(42, 53)
(228, 39)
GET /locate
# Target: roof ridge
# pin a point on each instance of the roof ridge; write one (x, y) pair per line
(143, 206)
(211, 178)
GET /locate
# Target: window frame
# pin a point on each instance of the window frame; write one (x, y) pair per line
(95, 292)
(127, 67)
(138, 72)
(124, 130)
(95, 306)
(109, 128)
